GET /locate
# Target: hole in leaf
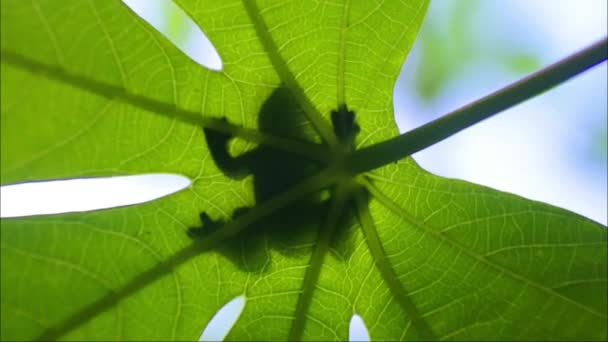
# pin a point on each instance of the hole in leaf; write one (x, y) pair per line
(74, 195)
(219, 326)
(357, 331)
(172, 22)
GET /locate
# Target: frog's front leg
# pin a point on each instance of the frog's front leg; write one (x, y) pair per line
(217, 142)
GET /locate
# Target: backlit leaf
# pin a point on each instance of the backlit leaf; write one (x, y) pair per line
(90, 89)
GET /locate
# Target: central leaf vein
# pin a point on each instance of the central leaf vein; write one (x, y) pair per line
(405, 215)
(316, 261)
(307, 149)
(386, 270)
(321, 126)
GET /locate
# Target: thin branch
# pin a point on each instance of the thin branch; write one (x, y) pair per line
(433, 132)
(306, 149)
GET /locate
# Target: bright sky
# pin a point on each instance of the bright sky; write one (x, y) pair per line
(536, 149)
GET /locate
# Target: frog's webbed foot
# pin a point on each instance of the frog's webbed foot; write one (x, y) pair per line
(345, 126)
(207, 227)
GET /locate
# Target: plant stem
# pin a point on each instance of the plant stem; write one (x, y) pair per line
(431, 133)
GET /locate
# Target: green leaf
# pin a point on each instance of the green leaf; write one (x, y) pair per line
(89, 89)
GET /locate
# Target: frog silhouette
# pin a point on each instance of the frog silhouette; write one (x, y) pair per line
(293, 229)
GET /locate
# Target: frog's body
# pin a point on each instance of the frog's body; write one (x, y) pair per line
(275, 171)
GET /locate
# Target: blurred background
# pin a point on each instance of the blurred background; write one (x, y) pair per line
(552, 148)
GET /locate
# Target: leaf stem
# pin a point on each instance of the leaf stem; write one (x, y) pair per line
(310, 185)
(376, 249)
(316, 260)
(315, 117)
(310, 150)
(424, 136)
(391, 205)
(342, 55)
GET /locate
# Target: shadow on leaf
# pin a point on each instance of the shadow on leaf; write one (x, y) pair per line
(291, 229)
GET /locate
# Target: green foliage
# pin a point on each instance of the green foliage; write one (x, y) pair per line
(89, 89)
(451, 44)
